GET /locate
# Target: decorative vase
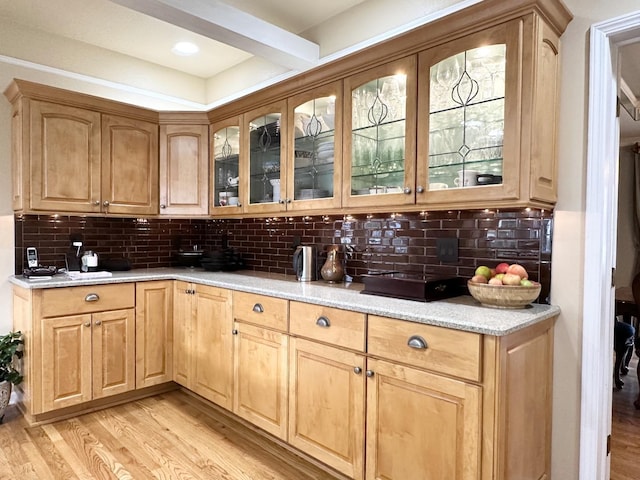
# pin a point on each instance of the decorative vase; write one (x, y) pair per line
(332, 270)
(5, 395)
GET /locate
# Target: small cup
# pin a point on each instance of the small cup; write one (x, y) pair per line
(466, 178)
(438, 186)
(223, 198)
(233, 200)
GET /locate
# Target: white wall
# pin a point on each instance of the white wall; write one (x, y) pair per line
(625, 248)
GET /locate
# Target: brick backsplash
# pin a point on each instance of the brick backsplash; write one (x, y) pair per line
(401, 242)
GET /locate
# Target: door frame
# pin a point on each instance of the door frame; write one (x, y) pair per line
(600, 240)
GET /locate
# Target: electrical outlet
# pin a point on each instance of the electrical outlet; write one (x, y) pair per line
(447, 249)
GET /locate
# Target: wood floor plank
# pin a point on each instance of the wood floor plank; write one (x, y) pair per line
(625, 429)
(170, 436)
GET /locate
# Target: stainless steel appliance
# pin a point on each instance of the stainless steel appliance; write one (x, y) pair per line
(305, 263)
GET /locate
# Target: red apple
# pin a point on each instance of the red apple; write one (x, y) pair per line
(479, 279)
(495, 281)
(511, 279)
(502, 267)
(493, 272)
(518, 269)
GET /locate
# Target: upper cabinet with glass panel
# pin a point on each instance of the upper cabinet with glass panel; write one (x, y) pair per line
(478, 101)
(379, 149)
(314, 172)
(466, 118)
(225, 167)
(265, 154)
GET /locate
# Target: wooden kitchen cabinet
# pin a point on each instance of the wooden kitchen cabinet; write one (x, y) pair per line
(421, 426)
(85, 345)
(184, 164)
(379, 141)
(486, 114)
(154, 333)
(86, 357)
(260, 366)
(129, 166)
(57, 166)
(225, 168)
(203, 351)
(81, 154)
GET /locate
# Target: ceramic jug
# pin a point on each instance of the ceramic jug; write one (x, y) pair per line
(332, 270)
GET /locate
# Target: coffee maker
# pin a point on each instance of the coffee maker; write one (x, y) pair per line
(305, 263)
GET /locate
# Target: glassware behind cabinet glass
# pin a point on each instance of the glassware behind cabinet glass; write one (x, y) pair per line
(226, 150)
(466, 116)
(264, 158)
(314, 148)
(378, 136)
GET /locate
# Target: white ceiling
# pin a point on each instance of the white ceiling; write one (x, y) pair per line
(244, 44)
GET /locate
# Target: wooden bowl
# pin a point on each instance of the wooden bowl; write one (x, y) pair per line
(503, 296)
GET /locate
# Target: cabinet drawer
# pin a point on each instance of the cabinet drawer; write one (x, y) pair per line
(448, 351)
(261, 310)
(325, 324)
(93, 298)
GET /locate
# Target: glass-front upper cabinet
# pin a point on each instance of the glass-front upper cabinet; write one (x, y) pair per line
(314, 172)
(264, 153)
(225, 167)
(468, 121)
(379, 140)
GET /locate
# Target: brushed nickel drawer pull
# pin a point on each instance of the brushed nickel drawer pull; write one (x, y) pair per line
(417, 342)
(323, 322)
(98, 322)
(258, 308)
(369, 373)
(357, 370)
(92, 297)
(87, 324)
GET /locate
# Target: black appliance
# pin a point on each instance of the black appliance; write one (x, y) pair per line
(417, 287)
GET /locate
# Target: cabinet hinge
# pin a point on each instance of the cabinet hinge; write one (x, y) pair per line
(613, 277)
(608, 444)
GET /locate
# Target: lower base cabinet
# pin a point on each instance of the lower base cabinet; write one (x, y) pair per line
(261, 377)
(203, 347)
(420, 425)
(327, 405)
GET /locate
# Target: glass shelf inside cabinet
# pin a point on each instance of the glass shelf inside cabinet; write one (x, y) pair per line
(466, 118)
(314, 148)
(264, 159)
(378, 136)
(226, 149)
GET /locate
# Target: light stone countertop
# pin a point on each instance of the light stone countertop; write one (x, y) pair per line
(461, 313)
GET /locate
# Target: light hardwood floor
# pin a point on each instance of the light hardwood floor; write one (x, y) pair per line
(170, 436)
(625, 429)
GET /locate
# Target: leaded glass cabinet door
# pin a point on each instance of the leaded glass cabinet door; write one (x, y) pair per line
(314, 173)
(469, 119)
(225, 168)
(265, 154)
(379, 140)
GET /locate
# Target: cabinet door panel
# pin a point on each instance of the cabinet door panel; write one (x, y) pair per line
(154, 333)
(130, 165)
(183, 312)
(113, 352)
(260, 378)
(212, 345)
(421, 426)
(326, 409)
(66, 361)
(184, 183)
(65, 158)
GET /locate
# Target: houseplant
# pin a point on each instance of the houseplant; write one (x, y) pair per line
(11, 348)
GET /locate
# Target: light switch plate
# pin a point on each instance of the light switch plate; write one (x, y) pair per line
(447, 249)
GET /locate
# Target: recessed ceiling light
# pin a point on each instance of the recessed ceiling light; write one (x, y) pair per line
(185, 49)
